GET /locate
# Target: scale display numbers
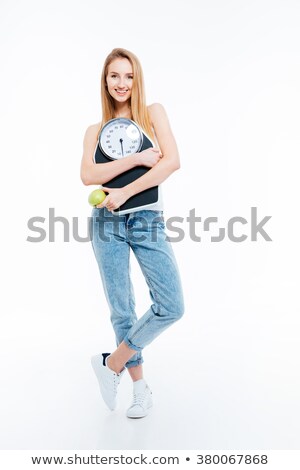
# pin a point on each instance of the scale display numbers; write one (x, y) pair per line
(119, 138)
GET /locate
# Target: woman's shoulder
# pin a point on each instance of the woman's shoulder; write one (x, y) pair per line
(92, 131)
(157, 113)
(93, 127)
(155, 108)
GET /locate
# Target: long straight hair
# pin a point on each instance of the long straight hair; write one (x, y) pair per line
(139, 112)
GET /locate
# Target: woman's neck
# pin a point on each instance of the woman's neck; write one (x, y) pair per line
(123, 111)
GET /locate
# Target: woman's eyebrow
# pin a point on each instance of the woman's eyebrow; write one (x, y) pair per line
(129, 73)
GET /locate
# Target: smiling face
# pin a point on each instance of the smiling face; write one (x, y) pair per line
(119, 79)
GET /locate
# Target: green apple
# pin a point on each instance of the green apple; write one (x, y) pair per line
(96, 197)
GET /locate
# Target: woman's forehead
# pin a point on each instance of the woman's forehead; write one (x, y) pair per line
(120, 65)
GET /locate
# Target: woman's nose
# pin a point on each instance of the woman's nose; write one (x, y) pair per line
(121, 83)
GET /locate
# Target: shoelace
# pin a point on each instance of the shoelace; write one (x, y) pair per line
(138, 398)
(116, 382)
(117, 379)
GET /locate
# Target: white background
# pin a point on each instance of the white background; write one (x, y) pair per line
(227, 375)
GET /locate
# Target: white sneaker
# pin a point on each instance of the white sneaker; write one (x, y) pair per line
(142, 400)
(107, 378)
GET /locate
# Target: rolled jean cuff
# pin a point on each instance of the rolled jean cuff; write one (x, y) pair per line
(132, 346)
(134, 363)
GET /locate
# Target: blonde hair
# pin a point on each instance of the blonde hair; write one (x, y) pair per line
(139, 112)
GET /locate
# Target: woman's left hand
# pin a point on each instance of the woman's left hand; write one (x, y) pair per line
(115, 198)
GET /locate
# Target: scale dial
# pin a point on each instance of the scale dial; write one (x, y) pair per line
(119, 138)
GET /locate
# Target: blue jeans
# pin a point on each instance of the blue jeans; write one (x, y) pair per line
(112, 237)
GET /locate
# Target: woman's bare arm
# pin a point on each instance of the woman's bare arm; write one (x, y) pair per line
(170, 160)
(91, 173)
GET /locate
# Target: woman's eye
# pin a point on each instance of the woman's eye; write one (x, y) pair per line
(114, 76)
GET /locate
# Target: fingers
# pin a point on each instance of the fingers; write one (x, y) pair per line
(106, 203)
(103, 204)
(158, 152)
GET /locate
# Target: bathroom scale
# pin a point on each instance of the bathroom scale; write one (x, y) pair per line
(119, 138)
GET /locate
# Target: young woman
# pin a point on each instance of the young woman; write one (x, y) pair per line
(123, 95)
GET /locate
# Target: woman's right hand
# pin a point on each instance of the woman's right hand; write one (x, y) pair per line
(149, 157)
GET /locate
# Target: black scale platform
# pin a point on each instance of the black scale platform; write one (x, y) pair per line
(148, 196)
